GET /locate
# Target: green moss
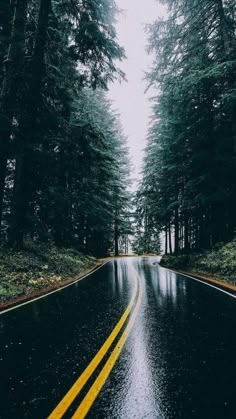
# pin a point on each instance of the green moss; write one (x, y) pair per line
(219, 262)
(38, 266)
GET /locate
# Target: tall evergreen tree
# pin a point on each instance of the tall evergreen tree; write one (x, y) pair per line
(64, 160)
(192, 139)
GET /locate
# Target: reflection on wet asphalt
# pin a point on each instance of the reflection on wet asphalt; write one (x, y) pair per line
(178, 362)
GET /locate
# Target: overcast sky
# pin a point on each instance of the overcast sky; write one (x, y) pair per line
(129, 97)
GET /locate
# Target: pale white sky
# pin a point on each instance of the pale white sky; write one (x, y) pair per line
(128, 97)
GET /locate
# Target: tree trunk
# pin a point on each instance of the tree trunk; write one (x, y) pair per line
(27, 126)
(166, 240)
(12, 70)
(176, 223)
(126, 244)
(170, 238)
(186, 233)
(116, 238)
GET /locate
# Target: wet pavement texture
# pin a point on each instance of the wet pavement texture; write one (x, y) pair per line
(178, 361)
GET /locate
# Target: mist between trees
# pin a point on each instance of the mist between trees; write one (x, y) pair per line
(63, 158)
(188, 188)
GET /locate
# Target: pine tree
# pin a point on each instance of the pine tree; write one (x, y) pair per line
(193, 131)
(12, 64)
(65, 161)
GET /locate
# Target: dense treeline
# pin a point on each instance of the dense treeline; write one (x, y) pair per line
(146, 238)
(63, 159)
(189, 175)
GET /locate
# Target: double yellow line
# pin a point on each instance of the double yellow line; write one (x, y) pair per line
(96, 387)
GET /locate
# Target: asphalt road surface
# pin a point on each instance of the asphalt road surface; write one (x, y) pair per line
(132, 340)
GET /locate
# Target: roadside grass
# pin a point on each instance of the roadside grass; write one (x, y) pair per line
(220, 262)
(38, 266)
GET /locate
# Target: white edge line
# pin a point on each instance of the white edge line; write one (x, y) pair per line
(202, 282)
(54, 291)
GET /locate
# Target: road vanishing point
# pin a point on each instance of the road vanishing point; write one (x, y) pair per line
(130, 340)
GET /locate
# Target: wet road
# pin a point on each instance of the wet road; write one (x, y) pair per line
(170, 354)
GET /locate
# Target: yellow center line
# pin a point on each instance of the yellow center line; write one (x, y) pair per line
(95, 389)
(65, 403)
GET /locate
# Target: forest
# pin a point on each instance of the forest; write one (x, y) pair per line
(64, 166)
(188, 188)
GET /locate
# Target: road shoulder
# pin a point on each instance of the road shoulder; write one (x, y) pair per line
(212, 281)
(44, 291)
